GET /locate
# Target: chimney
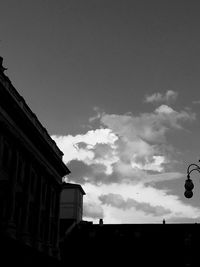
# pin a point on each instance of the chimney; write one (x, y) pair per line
(101, 222)
(2, 69)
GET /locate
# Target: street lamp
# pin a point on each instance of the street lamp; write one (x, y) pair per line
(188, 182)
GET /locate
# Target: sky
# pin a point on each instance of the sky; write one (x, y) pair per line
(116, 85)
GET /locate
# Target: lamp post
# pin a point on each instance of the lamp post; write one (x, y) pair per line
(188, 182)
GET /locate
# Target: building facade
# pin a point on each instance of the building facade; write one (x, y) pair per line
(71, 202)
(31, 171)
(71, 207)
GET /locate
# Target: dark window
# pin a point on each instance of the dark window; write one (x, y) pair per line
(44, 189)
(6, 157)
(2, 207)
(18, 209)
(32, 218)
(53, 233)
(53, 195)
(33, 181)
(1, 147)
(42, 226)
(21, 172)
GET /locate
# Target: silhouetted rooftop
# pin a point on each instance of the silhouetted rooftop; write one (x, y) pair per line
(133, 244)
(27, 111)
(72, 185)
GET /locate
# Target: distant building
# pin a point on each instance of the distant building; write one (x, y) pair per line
(132, 244)
(31, 171)
(71, 206)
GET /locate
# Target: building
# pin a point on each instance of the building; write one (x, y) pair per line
(163, 244)
(71, 203)
(71, 208)
(132, 244)
(31, 171)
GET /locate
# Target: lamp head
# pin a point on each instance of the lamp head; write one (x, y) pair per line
(189, 184)
(188, 194)
(188, 187)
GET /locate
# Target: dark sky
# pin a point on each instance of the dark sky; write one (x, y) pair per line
(66, 57)
(74, 60)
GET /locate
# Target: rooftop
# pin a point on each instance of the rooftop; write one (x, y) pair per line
(5, 81)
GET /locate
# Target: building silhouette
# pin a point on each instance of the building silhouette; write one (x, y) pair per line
(71, 207)
(132, 244)
(162, 244)
(31, 171)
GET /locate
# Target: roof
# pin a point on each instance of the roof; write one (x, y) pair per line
(73, 186)
(5, 81)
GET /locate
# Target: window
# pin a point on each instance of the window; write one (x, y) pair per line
(32, 218)
(44, 189)
(53, 199)
(2, 207)
(6, 157)
(42, 225)
(1, 147)
(21, 172)
(18, 209)
(33, 181)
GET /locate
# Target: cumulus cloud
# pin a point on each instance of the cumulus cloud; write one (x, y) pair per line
(168, 97)
(142, 140)
(92, 210)
(128, 148)
(93, 173)
(151, 127)
(164, 109)
(175, 118)
(154, 165)
(127, 152)
(196, 102)
(139, 203)
(116, 200)
(73, 148)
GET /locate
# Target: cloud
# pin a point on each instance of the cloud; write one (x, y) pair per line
(93, 211)
(196, 102)
(154, 165)
(175, 118)
(129, 148)
(150, 127)
(142, 140)
(168, 97)
(127, 155)
(96, 174)
(164, 109)
(136, 203)
(73, 148)
(116, 200)
(83, 173)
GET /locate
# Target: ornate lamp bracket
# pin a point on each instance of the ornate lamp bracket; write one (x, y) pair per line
(194, 167)
(189, 186)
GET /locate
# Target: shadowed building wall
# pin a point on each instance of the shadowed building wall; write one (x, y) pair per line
(71, 206)
(31, 171)
(138, 245)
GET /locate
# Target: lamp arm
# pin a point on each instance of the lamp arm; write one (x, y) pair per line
(197, 168)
